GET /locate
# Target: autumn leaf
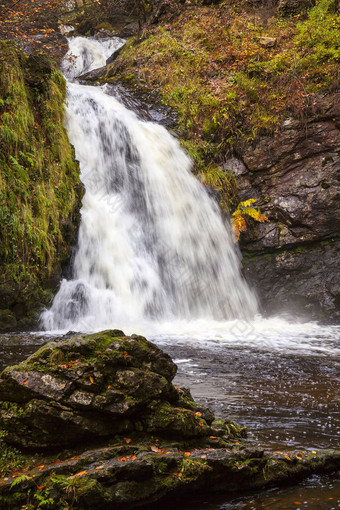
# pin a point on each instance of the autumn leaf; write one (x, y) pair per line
(81, 473)
(155, 449)
(122, 459)
(288, 458)
(127, 440)
(91, 380)
(133, 457)
(187, 454)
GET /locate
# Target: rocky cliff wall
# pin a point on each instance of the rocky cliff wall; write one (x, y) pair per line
(293, 260)
(40, 190)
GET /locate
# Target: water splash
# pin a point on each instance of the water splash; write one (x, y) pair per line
(152, 243)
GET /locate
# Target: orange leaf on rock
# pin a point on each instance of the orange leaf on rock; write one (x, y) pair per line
(122, 459)
(287, 457)
(81, 473)
(155, 449)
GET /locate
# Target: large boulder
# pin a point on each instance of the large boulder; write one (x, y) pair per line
(92, 386)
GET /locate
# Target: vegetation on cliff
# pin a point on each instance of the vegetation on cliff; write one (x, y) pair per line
(39, 176)
(233, 72)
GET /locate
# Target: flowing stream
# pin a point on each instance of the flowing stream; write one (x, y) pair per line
(155, 257)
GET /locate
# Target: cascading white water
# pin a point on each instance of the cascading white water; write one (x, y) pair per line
(152, 243)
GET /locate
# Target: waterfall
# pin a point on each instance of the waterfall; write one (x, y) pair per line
(152, 245)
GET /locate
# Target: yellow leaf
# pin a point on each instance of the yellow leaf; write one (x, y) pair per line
(288, 458)
(247, 203)
(91, 379)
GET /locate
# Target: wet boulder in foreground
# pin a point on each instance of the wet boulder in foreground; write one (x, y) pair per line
(132, 438)
(95, 386)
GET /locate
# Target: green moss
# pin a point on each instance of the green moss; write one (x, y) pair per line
(38, 174)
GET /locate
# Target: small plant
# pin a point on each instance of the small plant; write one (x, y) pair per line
(238, 220)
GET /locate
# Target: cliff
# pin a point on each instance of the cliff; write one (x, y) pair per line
(39, 185)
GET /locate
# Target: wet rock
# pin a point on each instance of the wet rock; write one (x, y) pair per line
(138, 475)
(294, 176)
(89, 386)
(114, 55)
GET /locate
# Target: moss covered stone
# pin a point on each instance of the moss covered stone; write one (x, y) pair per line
(39, 183)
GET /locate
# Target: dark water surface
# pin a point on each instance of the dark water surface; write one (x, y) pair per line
(286, 400)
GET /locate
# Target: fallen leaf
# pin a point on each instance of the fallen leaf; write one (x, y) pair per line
(91, 379)
(24, 381)
(122, 459)
(109, 387)
(99, 467)
(187, 454)
(81, 473)
(133, 457)
(198, 414)
(203, 456)
(127, 440)
(288, 458)
(126, 354)
(212, 437)
(313, 451)
(154, 449)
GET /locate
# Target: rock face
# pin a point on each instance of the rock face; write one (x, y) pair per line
(40, 191)
(92, 386)
(292, 259)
